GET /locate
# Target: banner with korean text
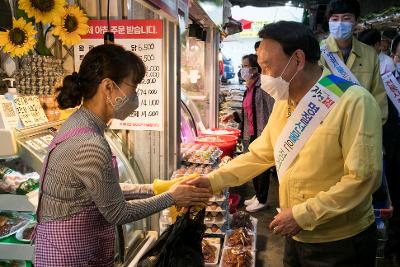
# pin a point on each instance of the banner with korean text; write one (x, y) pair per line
(309, 113)
(143, 37)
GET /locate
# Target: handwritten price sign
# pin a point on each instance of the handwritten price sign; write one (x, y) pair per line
(143, 37)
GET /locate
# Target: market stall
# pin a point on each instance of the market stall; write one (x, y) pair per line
(167, 136)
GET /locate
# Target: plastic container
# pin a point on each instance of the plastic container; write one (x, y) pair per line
(221, 131)
(227, 143)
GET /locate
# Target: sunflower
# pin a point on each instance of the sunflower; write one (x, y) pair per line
(44, 11)
(20, 39)
(71, 25)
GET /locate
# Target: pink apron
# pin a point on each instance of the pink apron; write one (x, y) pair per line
(86, 239)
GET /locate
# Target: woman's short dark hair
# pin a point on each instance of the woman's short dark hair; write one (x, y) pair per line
(395, 44)
(103, 61)
(293, 36)
(342, 7)
(252, 58)
(370, 37)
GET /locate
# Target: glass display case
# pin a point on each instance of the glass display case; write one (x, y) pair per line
(193, 76)
(191, 120)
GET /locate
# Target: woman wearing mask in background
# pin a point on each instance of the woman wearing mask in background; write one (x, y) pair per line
(80, 198)
(257, 106)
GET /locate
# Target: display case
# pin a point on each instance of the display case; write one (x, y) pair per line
(199, 63)
(32, 144)
(191, 120)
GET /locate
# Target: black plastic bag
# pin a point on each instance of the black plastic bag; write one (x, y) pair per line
(179, 245)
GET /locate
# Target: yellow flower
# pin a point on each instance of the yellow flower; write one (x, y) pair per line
(44, 11)
(71, 25)
(20, 39)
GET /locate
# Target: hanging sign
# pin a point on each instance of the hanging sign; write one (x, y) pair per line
(143, 37)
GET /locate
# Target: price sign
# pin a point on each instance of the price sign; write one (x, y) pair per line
(30, 112)
(143, 37)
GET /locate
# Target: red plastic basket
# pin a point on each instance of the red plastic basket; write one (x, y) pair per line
(228, 131)
(227, 143)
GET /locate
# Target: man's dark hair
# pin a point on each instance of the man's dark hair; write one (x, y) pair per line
(395, 43)
(292, 36)
(343, 6)
(257, 45)
(370, 37)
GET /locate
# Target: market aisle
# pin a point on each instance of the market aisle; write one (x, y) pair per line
(269, 246)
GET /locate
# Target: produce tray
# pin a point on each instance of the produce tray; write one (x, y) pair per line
(253, 254)
(218, 246)
(252, 247)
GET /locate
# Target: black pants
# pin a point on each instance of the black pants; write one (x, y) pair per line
(261, 186)
(356, 251)
(392, 168)
(261, 182)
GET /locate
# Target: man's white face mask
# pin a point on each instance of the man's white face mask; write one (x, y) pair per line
(277, 87)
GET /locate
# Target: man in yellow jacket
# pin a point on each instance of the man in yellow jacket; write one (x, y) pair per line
(325, 192)
(359, 58)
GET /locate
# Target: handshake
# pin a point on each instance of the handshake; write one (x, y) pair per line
(191, 190)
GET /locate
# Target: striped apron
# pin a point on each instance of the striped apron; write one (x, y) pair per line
(85, 239)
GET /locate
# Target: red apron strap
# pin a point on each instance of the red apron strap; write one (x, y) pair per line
(56, 141)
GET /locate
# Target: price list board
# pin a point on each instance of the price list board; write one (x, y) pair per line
(143, 37)
(30, 111)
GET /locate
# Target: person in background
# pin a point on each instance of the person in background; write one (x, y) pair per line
(391, 143)
(80, 199)
(358, 59)
(327, 174)
(372, 37)
(385, 45)
(256, 46)
(220, 64)
(257, 106)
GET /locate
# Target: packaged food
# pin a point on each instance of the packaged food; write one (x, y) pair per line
(214, 210)
(25, 233)
(201, 169)
(218, 199)
(201, 154)
(240, 238)
(211, 248)
(242, 219)
(15, 182)
(218, 220)
(11, 222)
(237, 257)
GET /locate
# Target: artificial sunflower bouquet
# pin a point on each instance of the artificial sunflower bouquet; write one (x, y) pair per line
(35, 19)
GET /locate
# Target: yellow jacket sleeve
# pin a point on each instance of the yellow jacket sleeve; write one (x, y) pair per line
(362, 153)
(247, 166)
(161, 186)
